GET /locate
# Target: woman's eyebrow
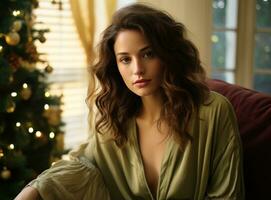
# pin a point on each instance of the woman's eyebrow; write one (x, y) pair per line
(141, 50)
(122, 53)
(145, 48)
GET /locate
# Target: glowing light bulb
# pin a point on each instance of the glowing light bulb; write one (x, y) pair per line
(16, 13)
(11, 146)
(38, 134)
(47, 94)
(13, 94)
(18, 124)
(30, 130)
(52, 135)
(1, 48)
(46, 107)
(1, 153)
(25, 85)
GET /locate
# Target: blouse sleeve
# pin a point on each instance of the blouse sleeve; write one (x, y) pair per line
(226, 180)
(73, 179)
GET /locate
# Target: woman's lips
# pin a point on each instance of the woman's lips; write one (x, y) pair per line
(141, 82)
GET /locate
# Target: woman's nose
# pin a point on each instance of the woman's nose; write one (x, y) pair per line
(138, 67)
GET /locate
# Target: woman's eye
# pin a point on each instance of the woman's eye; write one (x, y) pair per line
(148, 54)
(125, 60)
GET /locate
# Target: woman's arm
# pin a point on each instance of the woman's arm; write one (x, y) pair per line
(28, 193)
(226, 179)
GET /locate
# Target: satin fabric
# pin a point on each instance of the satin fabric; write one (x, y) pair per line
(210, 166)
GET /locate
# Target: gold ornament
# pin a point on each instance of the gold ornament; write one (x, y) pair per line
(10, 106)
(12, 38)
(17, 25)
(35, 3)
(5, 173)
(42, 39)
(26, 93)
(49, 69)
(27, 65)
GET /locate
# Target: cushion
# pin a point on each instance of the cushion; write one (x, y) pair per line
(253, 111)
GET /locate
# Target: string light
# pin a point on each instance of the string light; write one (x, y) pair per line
(47, 94)
(25, 86)
(11, 146)
(18, 124)
(1, 153)
(16, 12)
(38, 134)
(46, 107)
(30, 130)
(13, 94)
(51, 135)
(1, 48)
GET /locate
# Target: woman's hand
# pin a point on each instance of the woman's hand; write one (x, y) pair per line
(28, 193)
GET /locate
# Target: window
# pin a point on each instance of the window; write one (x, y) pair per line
(224, 39)
(262, 46)
(241, 52)
(65, 54)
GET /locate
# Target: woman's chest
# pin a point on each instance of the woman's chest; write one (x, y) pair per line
(145, 167)
(152, 145)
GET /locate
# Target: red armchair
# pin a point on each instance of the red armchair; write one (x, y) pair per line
(253, 111)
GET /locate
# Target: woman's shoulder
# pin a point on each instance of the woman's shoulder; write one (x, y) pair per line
(216, 100)
(216, 104)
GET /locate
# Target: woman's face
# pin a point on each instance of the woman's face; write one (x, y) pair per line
(140, 68)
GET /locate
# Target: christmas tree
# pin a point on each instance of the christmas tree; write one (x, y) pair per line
(30, 121)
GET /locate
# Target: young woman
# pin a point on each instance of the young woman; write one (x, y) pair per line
(159, 132)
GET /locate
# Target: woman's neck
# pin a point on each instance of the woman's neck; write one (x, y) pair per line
(151, 108)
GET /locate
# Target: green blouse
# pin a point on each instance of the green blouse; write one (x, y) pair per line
(210, 166)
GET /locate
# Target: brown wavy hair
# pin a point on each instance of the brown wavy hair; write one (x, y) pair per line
(183, 88)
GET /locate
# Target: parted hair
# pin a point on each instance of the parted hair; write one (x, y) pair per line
(183, 86)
